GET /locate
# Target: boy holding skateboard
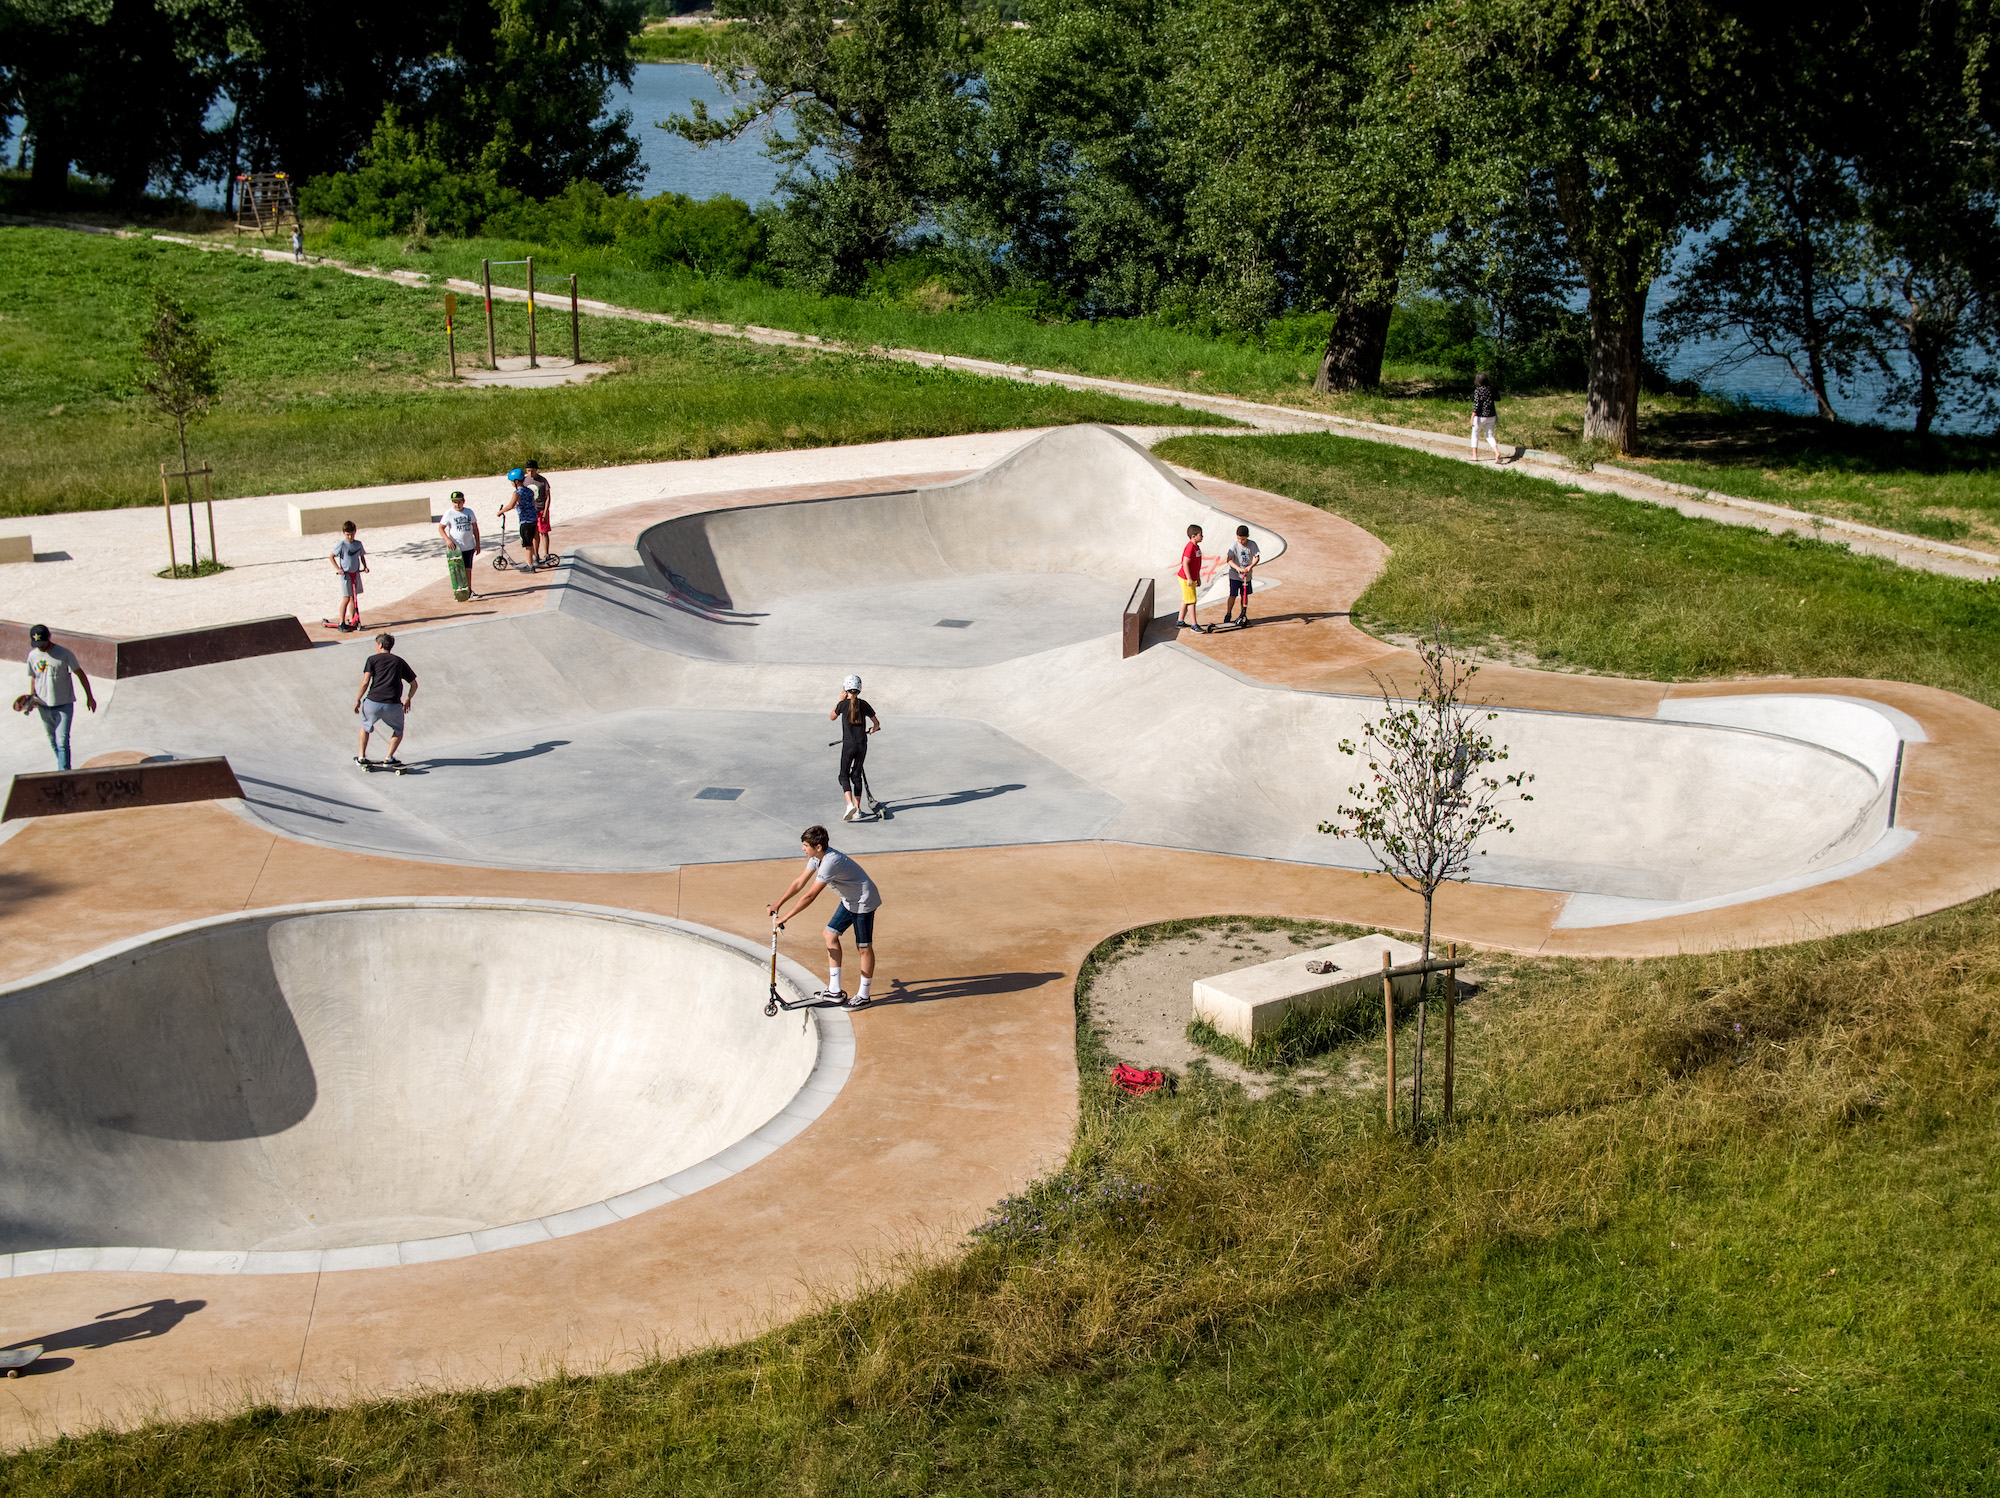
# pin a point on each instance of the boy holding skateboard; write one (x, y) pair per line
(350, 560)
(380, 700)
(859, 900)
(1190, 576)
(1243, 558)
(460, 529)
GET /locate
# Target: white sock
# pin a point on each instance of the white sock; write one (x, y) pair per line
(833, 980)
(864, 987)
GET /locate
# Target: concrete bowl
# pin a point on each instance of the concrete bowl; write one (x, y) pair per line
(365, 1083)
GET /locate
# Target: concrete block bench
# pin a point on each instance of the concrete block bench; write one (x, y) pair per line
(321, 520)
(1251, 1002)
(16, 549)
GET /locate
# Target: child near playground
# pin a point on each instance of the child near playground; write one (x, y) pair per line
(859, 900)
(527, 512)
(350, 560)
(1243, 558)
(1190, 576)
(460, 529)
(543, 512)
(857, 720)
(1485, 411)
(380, 700)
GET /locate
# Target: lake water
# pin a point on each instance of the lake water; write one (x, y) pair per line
(738, 167)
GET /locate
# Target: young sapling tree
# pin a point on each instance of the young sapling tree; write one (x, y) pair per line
(1433, 791)
(178, 372)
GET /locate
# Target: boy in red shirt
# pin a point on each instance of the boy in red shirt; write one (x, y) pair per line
(1190, 576)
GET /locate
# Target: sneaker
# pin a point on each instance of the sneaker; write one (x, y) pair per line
(854, 1003)
(851, 814)
(393, 763)
(366, 764)
(831, 996)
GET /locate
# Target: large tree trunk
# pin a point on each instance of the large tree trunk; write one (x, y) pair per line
(1611, 393)
(48, 177)
(1353, 356)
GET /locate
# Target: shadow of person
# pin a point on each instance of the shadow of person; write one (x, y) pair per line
(939, 799)
(498, 757)
(974, 985)
(140, 1323)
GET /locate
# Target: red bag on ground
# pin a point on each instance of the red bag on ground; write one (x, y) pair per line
(1136, 1082)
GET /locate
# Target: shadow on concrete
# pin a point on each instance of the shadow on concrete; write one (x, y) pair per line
(940, 799)
(14, 888)
(498, 757)
(140, 1323)
(973, 986)
(292, 790)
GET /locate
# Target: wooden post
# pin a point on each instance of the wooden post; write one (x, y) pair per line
(1389, 1034)
(531, 313)
(492, 349)
(208, 498)
(167, 505)
(575, 333)
(1450, 1016)
(1417, 1066)
(450, 339)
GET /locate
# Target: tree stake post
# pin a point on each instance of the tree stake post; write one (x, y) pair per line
(575, 333)
(531, 314)
(492, 348)
(1450, 1019)
(167, 507)
(1389, 1035)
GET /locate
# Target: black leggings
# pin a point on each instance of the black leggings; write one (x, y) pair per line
(852, 753)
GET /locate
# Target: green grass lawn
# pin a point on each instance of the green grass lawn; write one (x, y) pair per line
(332, 380)
(1591, 582)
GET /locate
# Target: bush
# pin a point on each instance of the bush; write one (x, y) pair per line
(718, 236)
(1456, 339)
(400, 176)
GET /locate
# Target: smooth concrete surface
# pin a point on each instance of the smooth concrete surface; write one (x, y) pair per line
(1250, 1003)
(322, 520)
(385, 1082)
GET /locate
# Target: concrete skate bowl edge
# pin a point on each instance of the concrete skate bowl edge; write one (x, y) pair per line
(362, 1084)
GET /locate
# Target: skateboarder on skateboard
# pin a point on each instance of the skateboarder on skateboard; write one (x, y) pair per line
(380, 700)
(859, 900)
(460, 529)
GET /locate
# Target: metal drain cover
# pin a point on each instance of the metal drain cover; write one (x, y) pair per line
(953, 624)
(718, 793)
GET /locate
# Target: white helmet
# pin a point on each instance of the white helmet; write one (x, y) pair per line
(852, 684)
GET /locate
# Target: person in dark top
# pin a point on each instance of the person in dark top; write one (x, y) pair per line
(1485, 411)
(380, 700)
(857, 720)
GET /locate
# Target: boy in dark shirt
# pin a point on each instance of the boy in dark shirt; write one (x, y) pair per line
(380, 700)
(857, 720)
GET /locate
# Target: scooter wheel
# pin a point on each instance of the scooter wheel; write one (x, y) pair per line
(501, 564)
(770, 1006)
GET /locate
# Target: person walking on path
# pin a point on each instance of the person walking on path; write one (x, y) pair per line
(527, 513)
(1190, 576)
(1485, 411)
(543, 512)
(298, 244)
(1243, 557)
(50, 690)
(350, 560)
(460, 529)
(380, 700)
(857, 720)
(859, 900)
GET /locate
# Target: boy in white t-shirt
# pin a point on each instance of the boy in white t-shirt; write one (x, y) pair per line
(460, 529)
(1243, 557)
(51, 691)
(859, 900)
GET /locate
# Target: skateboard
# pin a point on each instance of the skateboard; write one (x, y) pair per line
(18, 1358)
(381, 766)
(454, 569)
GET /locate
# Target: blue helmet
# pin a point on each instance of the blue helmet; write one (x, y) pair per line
(514, 475)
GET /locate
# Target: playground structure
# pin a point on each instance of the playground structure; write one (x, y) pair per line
(492, 339)
(264, 202)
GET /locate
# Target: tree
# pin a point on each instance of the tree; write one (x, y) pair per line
(1621, 106)
(1512, 261)
(178, 373)
(881, 89)
(1788, 277)
(1430, 796)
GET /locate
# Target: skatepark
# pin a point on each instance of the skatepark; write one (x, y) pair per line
(325, 1054)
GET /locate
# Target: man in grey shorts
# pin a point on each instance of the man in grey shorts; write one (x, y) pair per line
(859, 900)
(380, 700)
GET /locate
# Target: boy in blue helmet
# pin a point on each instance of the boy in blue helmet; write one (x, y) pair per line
(527, 513)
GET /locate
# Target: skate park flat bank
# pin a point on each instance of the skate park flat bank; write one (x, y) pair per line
(491, 1029)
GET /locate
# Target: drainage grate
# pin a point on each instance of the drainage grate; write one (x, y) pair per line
(718, 793)
(953, 624)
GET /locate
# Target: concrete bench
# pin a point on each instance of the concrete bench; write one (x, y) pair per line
(16, 549)
(1250, 1003)
(320, 520)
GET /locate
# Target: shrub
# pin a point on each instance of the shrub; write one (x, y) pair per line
(718, 236)
(400, 176)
